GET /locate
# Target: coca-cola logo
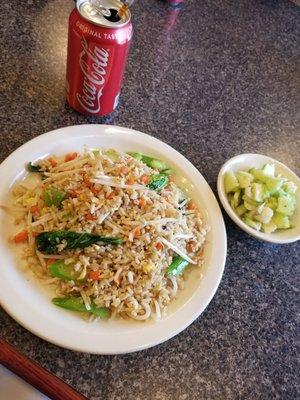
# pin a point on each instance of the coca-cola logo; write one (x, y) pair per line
(93, 64)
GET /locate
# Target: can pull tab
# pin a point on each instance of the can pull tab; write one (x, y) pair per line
(99, 8)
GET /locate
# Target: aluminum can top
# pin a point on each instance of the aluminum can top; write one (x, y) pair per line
(94, 11)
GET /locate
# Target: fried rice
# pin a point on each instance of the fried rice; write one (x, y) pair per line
(106, 193)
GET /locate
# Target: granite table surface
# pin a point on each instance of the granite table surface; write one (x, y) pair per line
(215, 79)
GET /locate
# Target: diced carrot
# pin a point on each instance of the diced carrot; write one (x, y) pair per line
(88, 183)
(124, 170)
(70, 156)
(95, 190)
(191, 205)
(159, 246)
(34, 234)
(130, 181)
(35, 209)
(86, 180)
(110, 195)
(50, 261)
(73, 193)
(53, 162)
(90, 217)
(191, 247)
(142, 202)
(21, 236)
(137, 232)
(144, 179)
(94, 275)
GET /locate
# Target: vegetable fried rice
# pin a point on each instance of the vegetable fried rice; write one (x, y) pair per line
(112, 231)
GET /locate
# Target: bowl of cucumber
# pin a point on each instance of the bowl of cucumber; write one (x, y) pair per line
(262, 196)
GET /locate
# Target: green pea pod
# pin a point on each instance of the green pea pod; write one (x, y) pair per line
(77, 304)
(149, 161)
(70, 303)
(167, 171)
(135, 155)
(158, 182)
(63, 271)
(177, 266)
(101, 312)
(154, 163)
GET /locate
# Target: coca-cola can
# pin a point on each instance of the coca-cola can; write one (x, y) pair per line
(98, 45)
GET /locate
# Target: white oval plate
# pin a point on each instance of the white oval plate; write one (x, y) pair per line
(29, 303)
(244, 162)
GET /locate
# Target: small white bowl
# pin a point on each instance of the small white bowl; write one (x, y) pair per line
(244, 162)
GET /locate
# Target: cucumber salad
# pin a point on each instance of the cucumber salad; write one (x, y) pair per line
(264, 200)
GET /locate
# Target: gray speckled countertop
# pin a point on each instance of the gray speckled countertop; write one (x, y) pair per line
(221, 82)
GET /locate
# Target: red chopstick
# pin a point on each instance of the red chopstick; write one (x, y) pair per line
(35, 375)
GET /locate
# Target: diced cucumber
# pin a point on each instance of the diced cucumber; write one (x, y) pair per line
(244, 178)
(240, 210)
(279, 193)
(253, 224)
(250, 214)
(289, 187)
(266, 192)
(259, 174)
(269, 169)
(286, 205)
(237, 198)
(281, 221)
(232, 202)
(265, 215)
(272, 203)
(249, 206)
(269, 227)
(258, 192)
(293, 199)
(248, 192)
(274, 184)
(250, 201)
(260, 208)
(230, 182)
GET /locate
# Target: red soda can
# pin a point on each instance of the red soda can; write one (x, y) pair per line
(98, 45)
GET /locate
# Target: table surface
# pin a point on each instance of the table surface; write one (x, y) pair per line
(216, 79)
